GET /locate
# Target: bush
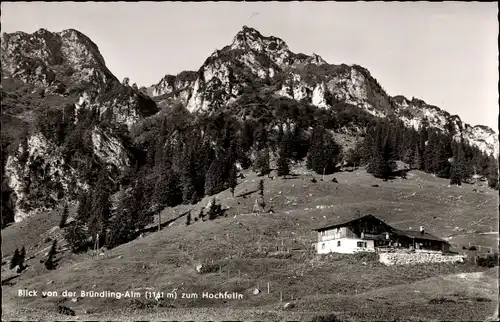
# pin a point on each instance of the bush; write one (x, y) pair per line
(490, 260)
(209, 268)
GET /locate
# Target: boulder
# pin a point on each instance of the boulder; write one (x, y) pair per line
(256, 291)
(199, 268)
(288, 305)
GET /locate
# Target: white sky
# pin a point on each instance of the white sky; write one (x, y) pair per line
(444, 53)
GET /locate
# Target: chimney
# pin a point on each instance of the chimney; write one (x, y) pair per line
(422, 230)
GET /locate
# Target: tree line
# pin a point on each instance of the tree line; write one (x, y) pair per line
(179, 158)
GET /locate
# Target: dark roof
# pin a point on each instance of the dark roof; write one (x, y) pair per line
(347, 222)
(418, 235)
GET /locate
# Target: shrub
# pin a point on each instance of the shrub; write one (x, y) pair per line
(490, 260)
(209, 268)
(18, 258)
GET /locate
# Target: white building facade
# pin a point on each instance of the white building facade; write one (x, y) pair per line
(339, 240)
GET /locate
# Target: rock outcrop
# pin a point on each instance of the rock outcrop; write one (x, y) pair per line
(46, 72)
(268, 62)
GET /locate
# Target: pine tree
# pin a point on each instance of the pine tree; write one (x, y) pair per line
(77, 238)
(168, 191)
(443, 153)
(214, 181)
(382, 162)
(64, 217)
(22, 255)
(262, 163)
(101, 212)
(15, 259)
(261, 188)
(283, 163)
(493, 173)
(84, 209)
(50, 263)
(188, 219)
(233, 181)
(132, 216)
(324, 152)
(459, 169)
(355, 155)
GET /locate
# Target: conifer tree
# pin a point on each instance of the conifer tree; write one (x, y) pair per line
(50, 263)
(382, 162)
(188, 219)
(22, 255)
(233, 181)
(457, 175)
(324, 152)
(15, 259)
(493, 173)
(261, 188)
(168, 191)
(77, 237)
(354, 155)
(283, 163)
(262, 163)
(131, 217)
(64, 217)
(214, 181)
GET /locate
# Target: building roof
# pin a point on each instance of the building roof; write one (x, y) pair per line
(347, 221)
(418, 235)
(408, 233)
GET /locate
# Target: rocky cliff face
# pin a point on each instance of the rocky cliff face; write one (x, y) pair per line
(269, 62)
(414, 112)
(49, 71)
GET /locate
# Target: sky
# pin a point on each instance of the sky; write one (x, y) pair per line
(445, 53)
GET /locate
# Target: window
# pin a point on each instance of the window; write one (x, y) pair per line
(362, 244)
(338, 243)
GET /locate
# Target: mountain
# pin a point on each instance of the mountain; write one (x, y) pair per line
(221, 78)
(67, 121)
(58, 77)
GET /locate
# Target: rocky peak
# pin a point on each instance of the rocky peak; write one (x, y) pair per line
(249, 38)
(51, 49)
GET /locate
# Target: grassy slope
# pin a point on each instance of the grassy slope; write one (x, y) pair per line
(167, 260)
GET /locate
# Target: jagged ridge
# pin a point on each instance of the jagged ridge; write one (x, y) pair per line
(298, 76)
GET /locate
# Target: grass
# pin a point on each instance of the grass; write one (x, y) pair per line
(246, 252)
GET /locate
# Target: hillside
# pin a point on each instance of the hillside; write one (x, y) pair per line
(242, 247)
